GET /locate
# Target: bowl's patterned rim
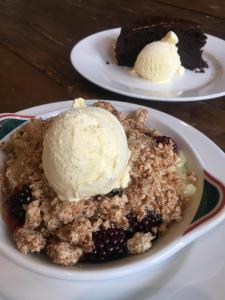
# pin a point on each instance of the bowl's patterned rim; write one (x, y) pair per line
(213, 195)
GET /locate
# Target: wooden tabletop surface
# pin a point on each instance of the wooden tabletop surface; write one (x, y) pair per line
(36, 38)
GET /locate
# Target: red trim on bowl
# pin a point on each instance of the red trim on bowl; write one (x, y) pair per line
(6, 115)
(214, 212)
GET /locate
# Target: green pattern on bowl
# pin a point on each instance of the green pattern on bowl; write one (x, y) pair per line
(210, 199)
(8, 125)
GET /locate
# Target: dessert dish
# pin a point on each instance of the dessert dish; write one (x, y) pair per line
(159, 61)
(94, 227)
(133, 38)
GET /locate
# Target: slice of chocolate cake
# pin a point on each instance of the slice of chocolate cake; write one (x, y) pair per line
(191, 40)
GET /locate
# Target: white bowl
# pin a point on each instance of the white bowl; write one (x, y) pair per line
(205, 211)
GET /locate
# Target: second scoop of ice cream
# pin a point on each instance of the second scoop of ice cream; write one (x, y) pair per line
(85, 153)
(159, 61)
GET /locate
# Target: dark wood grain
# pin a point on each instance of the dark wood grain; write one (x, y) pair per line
(36, 38)
(23, 85)
(210, 8)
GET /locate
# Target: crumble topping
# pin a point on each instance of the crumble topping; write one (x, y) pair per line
(29, 240)
(140, 243)
(63, 253)
(33, 215)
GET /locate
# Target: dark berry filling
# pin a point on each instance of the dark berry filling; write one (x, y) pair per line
(110, 244)
(115, 192)
(165, 140)
(149, 223)
(16, 204)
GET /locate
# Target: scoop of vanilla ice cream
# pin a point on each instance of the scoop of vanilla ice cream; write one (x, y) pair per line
(159, 61)
(85, 153)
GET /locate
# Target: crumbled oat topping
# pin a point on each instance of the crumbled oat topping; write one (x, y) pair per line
(29, 240)
(33, 215)
(140, 243)
(65, 229)
(63, 253)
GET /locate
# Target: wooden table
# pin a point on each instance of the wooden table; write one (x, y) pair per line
(36, 38)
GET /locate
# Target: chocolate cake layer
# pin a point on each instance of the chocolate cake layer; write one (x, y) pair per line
(133, 38)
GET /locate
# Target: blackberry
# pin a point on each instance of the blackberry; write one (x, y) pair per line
(149, 223)
(165, 140)
(115, 192)
(110, 244)
(17, 201)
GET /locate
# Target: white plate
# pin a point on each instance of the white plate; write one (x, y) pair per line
(197, 272)
(90, 56)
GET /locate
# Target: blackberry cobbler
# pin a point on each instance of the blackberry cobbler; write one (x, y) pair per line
(102, 227)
